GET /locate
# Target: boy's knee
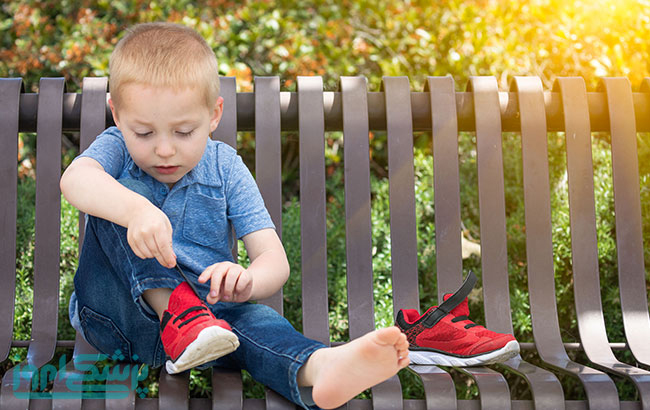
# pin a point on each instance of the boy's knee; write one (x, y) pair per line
(138, 187)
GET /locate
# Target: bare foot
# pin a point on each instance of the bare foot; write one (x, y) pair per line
(338, 374)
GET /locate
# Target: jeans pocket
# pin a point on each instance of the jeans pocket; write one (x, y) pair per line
(104, 335)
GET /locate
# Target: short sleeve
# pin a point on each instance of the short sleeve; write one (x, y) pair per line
(109, 149)
(245, 205)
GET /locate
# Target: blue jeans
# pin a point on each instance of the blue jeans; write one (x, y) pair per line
(107, 308)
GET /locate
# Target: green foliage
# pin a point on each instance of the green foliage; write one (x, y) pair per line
(415, 38)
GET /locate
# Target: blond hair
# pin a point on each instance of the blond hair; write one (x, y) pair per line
(164, 54)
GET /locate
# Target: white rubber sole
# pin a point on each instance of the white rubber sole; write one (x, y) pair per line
(510, 350)
(210, 344)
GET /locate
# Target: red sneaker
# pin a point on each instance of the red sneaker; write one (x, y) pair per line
(190, 333)
(444, 335)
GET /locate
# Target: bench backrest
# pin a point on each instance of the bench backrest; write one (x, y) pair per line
(526, 108)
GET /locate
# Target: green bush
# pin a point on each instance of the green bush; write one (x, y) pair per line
(547, 38)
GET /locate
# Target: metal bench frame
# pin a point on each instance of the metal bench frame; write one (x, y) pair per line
(526, 108)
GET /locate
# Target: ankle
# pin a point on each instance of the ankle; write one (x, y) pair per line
(158, 299)
(308, 371)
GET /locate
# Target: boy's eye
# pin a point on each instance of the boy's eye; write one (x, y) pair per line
(185, 134)
(142, 134)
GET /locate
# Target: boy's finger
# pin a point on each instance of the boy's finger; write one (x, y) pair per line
(166, 251)
(150, 248)
(243, 282)
(216, 280)
(207, 273)
(243, 287)
(230, 281)
(162, 261)
(135, 247)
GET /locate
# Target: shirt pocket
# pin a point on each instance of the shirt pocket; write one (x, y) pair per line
(205, 221)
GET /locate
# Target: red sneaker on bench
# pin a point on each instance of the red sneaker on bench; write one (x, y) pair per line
(190, 333)
(444, 335)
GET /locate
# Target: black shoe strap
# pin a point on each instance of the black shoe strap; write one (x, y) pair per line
(454, 300)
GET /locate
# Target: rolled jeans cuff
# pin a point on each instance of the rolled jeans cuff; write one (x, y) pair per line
(302, 395)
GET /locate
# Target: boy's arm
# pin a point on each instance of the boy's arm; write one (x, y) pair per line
(269, 265)
(90, 189)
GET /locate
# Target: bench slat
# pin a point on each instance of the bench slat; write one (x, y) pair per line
(10, 90)
(174, 390)
(48, 220)
(112, 402)
(313, 236)
(492, 212)
(227, 389)
(268, 170)
(92, 123)
(627, 203)
(583, 217)
(268, 157)
(446, 184)
(358, 226)
(401, 178)
(227, 129)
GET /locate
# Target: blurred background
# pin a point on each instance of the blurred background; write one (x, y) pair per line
(545, 38)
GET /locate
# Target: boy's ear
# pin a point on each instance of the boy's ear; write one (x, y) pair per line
(115, 119)
(216, 114)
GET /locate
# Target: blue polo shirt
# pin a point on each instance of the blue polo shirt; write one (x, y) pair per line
(215, 196)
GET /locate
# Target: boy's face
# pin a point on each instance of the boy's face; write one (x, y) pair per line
(165, 130)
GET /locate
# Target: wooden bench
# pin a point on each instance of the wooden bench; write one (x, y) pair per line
(526, 108)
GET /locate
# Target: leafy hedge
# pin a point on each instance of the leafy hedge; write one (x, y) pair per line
(374, 38)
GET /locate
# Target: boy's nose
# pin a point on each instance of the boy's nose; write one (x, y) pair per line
(165, 149)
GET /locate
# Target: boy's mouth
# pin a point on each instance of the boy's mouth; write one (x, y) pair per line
(166, 169)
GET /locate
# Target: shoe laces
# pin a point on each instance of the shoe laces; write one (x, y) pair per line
(187, 312)
(462, 318)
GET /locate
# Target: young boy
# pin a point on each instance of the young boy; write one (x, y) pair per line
(159, 193)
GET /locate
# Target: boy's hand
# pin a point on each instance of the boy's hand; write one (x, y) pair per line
(229, 282)
(149, 234)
